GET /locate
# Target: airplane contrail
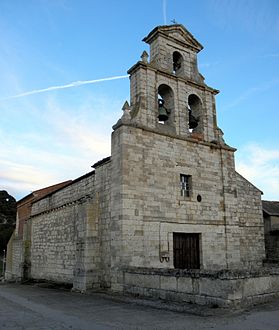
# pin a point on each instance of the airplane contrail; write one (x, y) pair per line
(70, 85)
(165, 11)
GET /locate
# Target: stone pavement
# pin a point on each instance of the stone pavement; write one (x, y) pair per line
(33, 307)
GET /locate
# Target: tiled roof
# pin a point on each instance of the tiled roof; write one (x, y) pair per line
(38, 194)
(70, 182)
(271, 207)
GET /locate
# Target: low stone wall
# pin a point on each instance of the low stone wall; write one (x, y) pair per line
(223, 288)
(14, 259)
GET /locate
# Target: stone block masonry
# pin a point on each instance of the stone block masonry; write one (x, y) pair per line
(70, 233)
(225, 288)
(153, 208)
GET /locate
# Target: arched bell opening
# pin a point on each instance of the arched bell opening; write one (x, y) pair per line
(194, 113)
(177, 62)
(165, 104)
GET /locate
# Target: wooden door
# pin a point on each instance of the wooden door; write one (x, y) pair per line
(186, 250)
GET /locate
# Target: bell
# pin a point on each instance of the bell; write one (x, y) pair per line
(163, 112)
(193, 121)
(163, 115)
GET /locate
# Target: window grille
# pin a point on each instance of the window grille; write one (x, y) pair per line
(185, 185)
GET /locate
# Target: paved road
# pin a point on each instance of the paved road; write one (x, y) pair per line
(29, 307)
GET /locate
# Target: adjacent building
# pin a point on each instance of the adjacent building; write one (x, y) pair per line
(271, 228)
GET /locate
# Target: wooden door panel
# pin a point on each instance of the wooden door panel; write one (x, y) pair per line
(186, 250)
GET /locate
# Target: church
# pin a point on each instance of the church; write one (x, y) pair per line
(166, 215)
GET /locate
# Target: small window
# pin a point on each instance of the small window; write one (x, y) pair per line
(177, 60)
(186, 250)
(185, 185)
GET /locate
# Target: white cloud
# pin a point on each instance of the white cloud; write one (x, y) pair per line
(20, 179)
(82, 132)
(24, 169)
(61, 144)
(260, 165)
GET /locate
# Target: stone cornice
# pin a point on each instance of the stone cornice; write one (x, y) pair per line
(80, 200)
(142, 65)
(212, 145)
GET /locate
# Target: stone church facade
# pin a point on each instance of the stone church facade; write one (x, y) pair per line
(166, 215)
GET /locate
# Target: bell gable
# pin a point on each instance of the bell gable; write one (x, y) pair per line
(177, 33)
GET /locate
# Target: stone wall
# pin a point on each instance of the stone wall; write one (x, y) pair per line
(153, 208)
(105, 231)
(9, 259)
(53, 244)
(225, 288)
(68, 227)
(14, 259)
(251, 224)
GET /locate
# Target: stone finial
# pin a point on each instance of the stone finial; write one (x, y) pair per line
(126, 111)
(126, 106)
(144, 57)
(126, 117)
(220, 135)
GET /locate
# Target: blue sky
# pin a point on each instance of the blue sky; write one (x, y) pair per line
(57, 134)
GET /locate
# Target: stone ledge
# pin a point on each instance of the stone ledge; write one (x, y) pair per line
(212, 145)
(222, 288)
(221, 274)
